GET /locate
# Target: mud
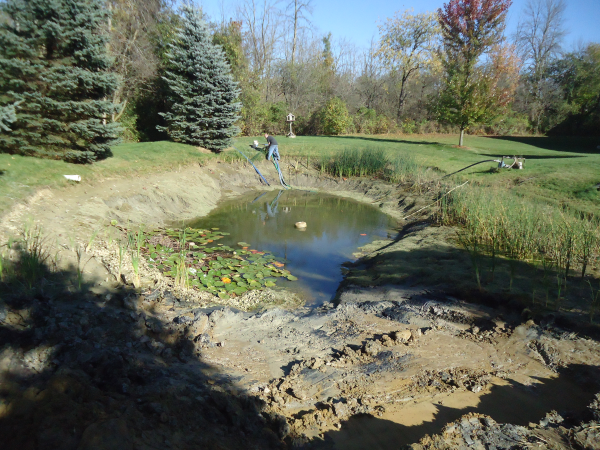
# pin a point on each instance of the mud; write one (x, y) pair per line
(393, 361)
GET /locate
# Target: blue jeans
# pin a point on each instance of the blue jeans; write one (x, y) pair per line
(273, 151)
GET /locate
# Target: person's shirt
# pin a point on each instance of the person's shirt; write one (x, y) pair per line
(271, 140)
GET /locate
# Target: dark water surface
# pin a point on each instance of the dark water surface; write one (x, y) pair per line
(336, 228)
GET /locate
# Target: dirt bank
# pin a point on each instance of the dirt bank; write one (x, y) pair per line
(391, 361)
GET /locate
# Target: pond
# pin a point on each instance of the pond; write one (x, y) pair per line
(336, 227)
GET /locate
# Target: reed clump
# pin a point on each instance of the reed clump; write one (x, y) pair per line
(557, 240)
(402, 168)
(354, 162)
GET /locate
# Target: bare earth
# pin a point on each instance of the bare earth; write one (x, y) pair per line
(391, 362)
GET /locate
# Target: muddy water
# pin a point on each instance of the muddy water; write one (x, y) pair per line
(520, 401)
(336, 228)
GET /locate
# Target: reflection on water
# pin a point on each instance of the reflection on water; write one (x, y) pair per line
(336, 227)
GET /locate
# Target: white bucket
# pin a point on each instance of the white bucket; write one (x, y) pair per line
(73, 177)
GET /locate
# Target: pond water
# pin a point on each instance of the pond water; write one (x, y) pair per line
(336, 227)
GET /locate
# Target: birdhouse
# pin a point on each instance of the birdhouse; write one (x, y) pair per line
(289, 119)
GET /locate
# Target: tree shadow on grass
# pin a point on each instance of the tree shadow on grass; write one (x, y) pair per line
(558, 143)
(393, 141)
(79, 371)
(509, 161)
(569, 394)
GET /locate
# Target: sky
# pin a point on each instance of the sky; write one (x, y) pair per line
(356, 20)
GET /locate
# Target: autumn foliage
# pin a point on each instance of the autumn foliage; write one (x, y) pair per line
(480, 71)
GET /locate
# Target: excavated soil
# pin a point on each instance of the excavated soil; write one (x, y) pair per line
(395, 361)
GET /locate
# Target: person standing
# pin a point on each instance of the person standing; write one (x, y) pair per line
(272, 147)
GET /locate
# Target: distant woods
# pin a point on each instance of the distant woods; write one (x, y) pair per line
(424, 72)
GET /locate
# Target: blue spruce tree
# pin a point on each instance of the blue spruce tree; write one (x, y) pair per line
(8, 115)
(54, 65)
(203, 96)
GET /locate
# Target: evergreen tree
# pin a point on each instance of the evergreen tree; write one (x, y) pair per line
(203, 94)
(54, 62)
(8, 115)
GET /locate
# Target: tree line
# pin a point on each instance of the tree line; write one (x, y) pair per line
(75, 75)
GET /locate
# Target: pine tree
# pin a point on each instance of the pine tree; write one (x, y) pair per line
(8, 115)
(203, 94)
(54, 62)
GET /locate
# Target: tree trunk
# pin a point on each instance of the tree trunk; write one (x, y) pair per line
(295, 30)
(462, 133)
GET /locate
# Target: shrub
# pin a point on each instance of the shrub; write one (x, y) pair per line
(365, 120)
(335, 118)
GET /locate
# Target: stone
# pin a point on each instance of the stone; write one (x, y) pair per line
(372, 348)
(403, 335)
(199, 325)
(415, 334)
(387, 341)
(152, 296)
(340, 410)
(111, 434)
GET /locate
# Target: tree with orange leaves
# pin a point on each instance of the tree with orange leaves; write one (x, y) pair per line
(480, 72)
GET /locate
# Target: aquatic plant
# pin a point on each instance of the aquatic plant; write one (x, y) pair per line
(79, 270)
(192, 258)
(472, 246)
(92, 239)
(352, 162)
(122, 249)
(401, 168)
(524, 230)
(35, 255)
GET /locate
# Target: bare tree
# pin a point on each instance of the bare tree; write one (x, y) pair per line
(539, 37)
(262, 31)
(132, 25)
(407, 45)
(298, 9)
(370, 82)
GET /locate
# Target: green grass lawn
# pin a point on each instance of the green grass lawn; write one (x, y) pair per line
(557, 170)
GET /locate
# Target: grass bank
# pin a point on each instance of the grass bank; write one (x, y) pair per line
(21, 176)
(558, 171)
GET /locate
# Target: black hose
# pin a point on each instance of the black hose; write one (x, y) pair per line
(465, 168)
